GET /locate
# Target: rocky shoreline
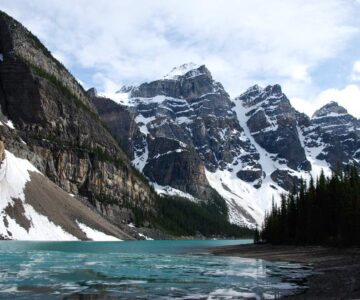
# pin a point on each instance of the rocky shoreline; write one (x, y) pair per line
(337, 270)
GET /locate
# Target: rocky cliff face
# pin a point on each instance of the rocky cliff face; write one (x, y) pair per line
(333, 136)
(273, 123)
(122, 124)
(65, 139)
(2, 151)
(34, 208)
(274, 127)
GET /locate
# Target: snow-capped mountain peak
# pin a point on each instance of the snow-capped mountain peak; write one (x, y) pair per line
(125, 89)
(330, 109)
(253, 89)
(256, 95)
(176, 72)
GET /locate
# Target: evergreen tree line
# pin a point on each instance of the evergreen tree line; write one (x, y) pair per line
(182, 217)
(323, 212)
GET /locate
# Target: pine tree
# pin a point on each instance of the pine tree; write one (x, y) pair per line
(327, 211)
(256, 236)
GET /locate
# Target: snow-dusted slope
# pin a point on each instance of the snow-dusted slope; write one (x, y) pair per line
(270, 161)
(14, 174)
(33, 208)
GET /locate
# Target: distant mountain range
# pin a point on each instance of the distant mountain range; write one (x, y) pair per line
(187, 135)
(76, 164)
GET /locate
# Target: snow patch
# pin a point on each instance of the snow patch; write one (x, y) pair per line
(181, 71)
(140, 161)
(96, 235)
(330, 115)
(42, 229)
(143, 122)
(242, 196)
(170, 191)
(183, 120)
(118, 97)
(311, 155)
(169, 152)
(8, 123)
(145, 237)
(14, 174)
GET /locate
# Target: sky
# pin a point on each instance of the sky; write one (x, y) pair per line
(311, 48)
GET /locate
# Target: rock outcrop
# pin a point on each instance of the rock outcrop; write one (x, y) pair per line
(2, 151)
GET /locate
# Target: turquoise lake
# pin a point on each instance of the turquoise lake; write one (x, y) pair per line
(140, 270)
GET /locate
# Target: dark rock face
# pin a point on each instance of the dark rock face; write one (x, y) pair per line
(286, 180)
(336, 133)
(121, 123)
(65, 138)
(250, 175)
(273, 123)
(2, 151)
(180, 168)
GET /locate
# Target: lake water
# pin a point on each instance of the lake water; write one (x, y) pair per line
(139, 270)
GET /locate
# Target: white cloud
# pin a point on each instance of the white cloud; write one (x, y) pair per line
(300, 73)
(355, 76)
(304, 106)
(242, 42)
(102, 80)
(348, 97)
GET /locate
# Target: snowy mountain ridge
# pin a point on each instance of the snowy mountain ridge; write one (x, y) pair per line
(176, 72)
(250, 149)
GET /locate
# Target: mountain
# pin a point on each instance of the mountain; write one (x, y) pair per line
(187, 136)
(52, 124)
(334, 136)
(182, 127)
(63, 170)
(85, 165)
